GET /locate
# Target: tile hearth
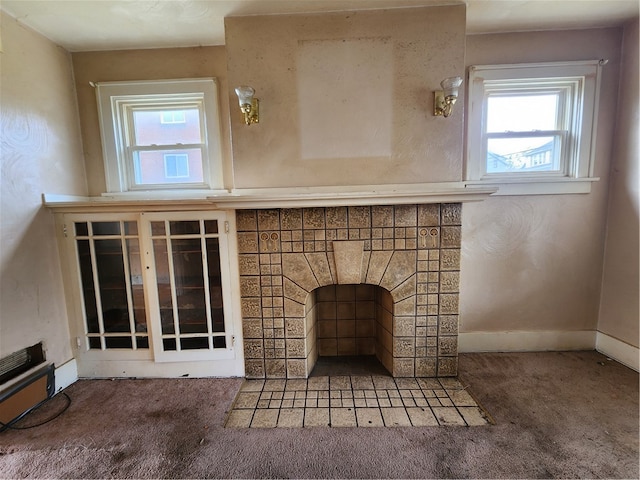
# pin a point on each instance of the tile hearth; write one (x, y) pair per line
(355, 401)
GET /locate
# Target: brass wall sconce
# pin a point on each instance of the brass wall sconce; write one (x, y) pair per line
(443, 100)
(248, 104)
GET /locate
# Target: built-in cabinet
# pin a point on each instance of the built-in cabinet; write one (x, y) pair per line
(152, 293)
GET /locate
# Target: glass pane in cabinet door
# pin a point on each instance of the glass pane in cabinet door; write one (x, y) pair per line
(112, 281)
(215, 284)
(106, 228)
(157, 228)
(163, 283)
(137, 288)
(210, 226)
(191, 227)
(189, 281)
(88, 287)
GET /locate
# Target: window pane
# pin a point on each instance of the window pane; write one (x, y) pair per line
(106, 228)
(184, 166)
(112, 281)
(189, 281)
(88, 287)
(522, 113)
(184, 227)
(149, 128)
(532, 154)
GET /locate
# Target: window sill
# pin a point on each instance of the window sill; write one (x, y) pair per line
(537, 186)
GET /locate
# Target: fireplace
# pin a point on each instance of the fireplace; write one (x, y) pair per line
(401, 261)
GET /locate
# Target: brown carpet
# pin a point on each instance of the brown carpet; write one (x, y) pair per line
(558, 415)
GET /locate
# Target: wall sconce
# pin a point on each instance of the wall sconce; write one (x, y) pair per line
(248, 104)
(444, 99)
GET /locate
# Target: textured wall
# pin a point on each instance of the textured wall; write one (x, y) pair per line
(157, 64)
(41, 152)
(619, 305)
(325, 80)
(534, 263)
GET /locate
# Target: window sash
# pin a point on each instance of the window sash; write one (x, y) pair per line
(132, 150)
(559, 157)
(135, 174)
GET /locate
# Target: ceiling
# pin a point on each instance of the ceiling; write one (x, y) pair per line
(86, 25)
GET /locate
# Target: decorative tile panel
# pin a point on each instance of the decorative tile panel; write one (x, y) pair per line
(412, 251)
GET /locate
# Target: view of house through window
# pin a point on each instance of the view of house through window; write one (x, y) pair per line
(167, 146)
(523, 142)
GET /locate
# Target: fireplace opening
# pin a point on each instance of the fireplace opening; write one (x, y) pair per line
(353, 325)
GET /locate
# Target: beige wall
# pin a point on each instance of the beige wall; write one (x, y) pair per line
(534, 263)
(619, 316)
(41, 152)
(305, 69)
(156, 64)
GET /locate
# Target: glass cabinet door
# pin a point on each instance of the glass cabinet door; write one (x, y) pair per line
(190, 293)
(110, 271)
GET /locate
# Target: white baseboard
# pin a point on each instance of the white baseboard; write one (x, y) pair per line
(526, 341)
(66, 374)
(618, 350)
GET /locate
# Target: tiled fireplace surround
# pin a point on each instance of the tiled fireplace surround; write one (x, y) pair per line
(410, 252)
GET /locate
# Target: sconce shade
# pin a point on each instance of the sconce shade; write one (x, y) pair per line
(249, 105)
(245, 95)
(450, 86)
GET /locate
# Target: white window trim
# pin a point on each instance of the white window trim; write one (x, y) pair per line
(111, 95)
(578, 174)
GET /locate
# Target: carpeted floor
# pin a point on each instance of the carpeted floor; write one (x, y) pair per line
(557, 415)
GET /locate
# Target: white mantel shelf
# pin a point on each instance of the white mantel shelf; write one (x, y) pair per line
(239, 199)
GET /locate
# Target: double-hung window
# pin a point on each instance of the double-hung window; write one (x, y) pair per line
(531, 127)
(160, 135)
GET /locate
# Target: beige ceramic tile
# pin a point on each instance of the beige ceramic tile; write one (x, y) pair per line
(340, 383)
(461, 398)
(318, 383)
(395, 417)
(274, 385)
(362, 383)
(369, 417)
(448, 416)
(247, 400)
(422, 417)
(252, 386)
(296, 384)
(291, 417)
(239, 419)
(266, 418)
(473, 416)
(343, 417)
(316, 417)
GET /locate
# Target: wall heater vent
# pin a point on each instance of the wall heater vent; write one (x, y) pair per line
(24, 383)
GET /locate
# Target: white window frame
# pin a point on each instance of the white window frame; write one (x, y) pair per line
(117, 100)
(578, 84)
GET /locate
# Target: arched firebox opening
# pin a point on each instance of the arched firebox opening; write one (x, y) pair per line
(353, 329)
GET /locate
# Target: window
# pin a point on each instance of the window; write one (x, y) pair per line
(160, 135)
(172, 116)
(176, 165)
(531, 127)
